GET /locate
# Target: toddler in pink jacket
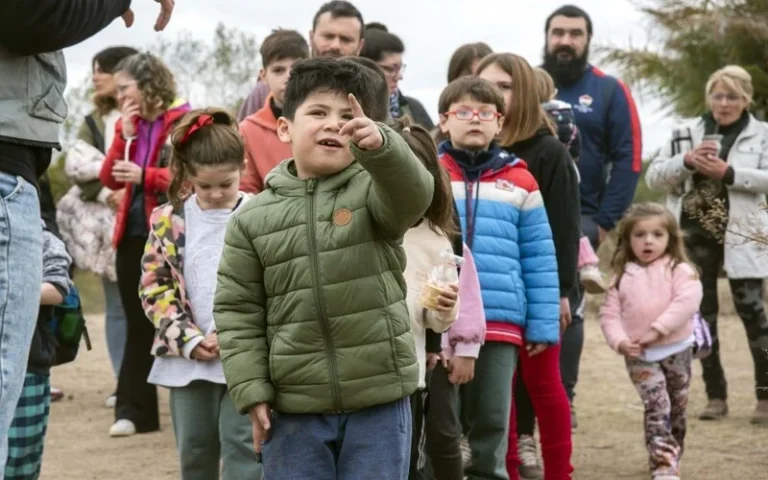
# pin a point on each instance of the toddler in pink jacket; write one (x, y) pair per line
(647, 316)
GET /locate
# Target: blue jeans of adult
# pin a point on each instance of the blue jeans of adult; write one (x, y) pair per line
(115, 324)
(374, 442)
(21, 276)
(573, 337)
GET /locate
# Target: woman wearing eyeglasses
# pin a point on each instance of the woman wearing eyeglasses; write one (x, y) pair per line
(715, 174)
(529, 133)
(386, 49)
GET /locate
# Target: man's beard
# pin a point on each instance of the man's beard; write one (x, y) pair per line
(566, 72)
(334, 53)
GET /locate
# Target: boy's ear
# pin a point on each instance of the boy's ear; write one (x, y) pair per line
(500, 124)
(444, 123)
(284, 130)
(262, 73)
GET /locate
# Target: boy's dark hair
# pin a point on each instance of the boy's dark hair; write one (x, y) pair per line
(213, 144)
(476, 88)
(570, 11)
(340, 9)
(462, 59)
(330, 75)
(379, 42)
(379, 111)
(282, 44)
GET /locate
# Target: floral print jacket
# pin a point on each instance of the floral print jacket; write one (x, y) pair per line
(162, 288)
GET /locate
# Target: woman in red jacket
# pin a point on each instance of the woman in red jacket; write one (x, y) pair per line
(138, 161)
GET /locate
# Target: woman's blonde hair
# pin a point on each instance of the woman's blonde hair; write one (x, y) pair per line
(735, 79)
(545, 86)
(153, 79)
(636, 213)
(525, 116)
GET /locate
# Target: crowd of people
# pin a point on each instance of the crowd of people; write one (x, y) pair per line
(330, 262)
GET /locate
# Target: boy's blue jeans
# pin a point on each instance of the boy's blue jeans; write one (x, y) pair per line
(371, 443)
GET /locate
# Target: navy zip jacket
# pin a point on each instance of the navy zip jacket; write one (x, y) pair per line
(611, 144)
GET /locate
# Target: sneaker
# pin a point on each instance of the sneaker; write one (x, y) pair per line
(111, 401)
(716, 410)
(122, 428)
(760, 417)
(591, 279)
(56, 394)
(530, 468)
(666, 477)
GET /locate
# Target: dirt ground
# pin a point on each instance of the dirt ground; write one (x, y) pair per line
(608, 444)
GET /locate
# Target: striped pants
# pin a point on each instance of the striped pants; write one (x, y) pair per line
(27, 433)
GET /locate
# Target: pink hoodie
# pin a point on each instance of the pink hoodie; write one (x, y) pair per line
(468, 332)
(652, 296)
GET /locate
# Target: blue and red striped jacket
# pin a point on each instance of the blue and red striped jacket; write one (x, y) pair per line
(505, 226)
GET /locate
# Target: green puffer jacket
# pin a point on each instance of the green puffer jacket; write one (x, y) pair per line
(310, 303)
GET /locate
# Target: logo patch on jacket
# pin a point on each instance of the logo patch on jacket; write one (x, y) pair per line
(585, 104)
(342, 217)
(505, 185)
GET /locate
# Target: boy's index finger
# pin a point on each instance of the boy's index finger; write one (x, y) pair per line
(357, 110)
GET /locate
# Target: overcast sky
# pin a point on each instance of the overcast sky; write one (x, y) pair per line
(430, 29)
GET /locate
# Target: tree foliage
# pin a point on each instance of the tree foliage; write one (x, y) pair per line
(691, 39)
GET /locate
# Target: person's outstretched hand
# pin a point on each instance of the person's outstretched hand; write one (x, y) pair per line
(361, 130)
(166, 9)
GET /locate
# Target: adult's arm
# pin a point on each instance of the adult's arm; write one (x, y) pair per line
(625, 150)
(29, 27)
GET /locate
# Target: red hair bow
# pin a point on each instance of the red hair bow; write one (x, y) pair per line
(202, 121)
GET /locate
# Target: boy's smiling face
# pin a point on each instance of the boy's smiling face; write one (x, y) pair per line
(318, 148)
(472, 134)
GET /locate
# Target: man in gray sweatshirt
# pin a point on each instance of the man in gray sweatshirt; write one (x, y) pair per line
(32, 81)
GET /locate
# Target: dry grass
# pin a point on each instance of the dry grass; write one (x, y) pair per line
(608, 443)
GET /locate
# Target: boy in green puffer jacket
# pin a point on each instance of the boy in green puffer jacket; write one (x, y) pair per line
(310, 303)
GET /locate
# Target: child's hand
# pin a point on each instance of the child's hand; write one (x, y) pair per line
(261, 425)
(630, 349)
(213, 343)
(362, 130)
(447, 299)
(206, 350)
(433, 358)
(461, 369)
(649, 337)
(535, 348)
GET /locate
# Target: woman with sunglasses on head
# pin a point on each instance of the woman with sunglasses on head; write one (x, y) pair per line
(529, 133)
(137, 160)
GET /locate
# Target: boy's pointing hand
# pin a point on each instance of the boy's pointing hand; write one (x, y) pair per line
(361, 130)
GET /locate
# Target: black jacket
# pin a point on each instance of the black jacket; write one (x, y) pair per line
(554, 171)
(414, 108)
(29, 27)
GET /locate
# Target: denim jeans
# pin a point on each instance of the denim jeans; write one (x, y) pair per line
(371, 443)
(115, 324)
(21, 276)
